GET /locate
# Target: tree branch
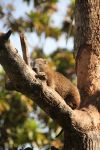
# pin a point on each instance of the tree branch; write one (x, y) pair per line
(24, 80)
(87, 42)
(25, 48)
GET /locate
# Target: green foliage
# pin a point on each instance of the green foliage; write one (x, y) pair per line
(21, 121)
(63, 61)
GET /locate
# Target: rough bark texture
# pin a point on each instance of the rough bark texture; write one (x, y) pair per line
(81, 127)
(23, 80)
(87, 42)
(83, 141)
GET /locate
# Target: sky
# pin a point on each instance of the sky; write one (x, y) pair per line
(49, 44)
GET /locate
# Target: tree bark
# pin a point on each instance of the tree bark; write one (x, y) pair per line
(87, 43)
(82, 126)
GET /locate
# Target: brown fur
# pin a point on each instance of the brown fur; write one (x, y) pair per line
(57, 81)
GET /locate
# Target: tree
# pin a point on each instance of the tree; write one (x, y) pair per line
(28, 127)
(81, 127)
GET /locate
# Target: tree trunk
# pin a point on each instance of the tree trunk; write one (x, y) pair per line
(87, 44)
(81, 127)
(83, 141)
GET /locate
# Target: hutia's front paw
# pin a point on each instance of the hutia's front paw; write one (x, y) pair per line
(41, 76)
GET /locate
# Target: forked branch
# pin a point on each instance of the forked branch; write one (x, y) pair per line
(25, 51)
(24, 81)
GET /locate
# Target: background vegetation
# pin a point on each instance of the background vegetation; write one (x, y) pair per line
(21, 121)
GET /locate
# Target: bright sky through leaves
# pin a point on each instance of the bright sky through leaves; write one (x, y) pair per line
(49, 44)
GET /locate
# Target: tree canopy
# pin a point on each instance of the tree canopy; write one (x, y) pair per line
(21, 120)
